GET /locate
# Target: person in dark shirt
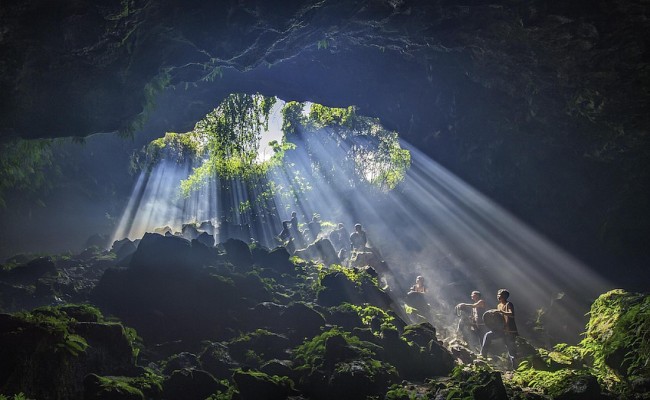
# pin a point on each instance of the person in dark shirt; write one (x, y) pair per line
(358, 239)
(314, 227)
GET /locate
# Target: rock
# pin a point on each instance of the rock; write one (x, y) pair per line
(254, 385)
(336, 289)
(301, 321)
(184, 360)
(97, 240)
(321, 249)
(280, 368)
(30, 271)
(217, 361)
(163, 253)
(265, 346)
(189, 384)
(48, 354)
(206, 239)
(238, 253)
(99, 388)
(123, 248)
(156, 301)
(491, 388)
(581, 387)
(278, 260)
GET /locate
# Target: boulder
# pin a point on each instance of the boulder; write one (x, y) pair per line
(216, 360)
(301, 321)
(255, 385)
(321, 249)
(163, 253)
(191, 384)
(29, 272)
(278, 260)
(579, 387)
(238, 253)
(265, 345)
(100, 388)
(206, 239)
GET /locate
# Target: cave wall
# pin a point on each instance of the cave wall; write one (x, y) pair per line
(540, 105)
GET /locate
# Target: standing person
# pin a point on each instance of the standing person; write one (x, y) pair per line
(338, 236)
(295, 232)
(285, 234)
(358, 238)
(477, 326)
(509, 329)
(314, 227)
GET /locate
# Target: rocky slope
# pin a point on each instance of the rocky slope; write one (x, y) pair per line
(173, 318)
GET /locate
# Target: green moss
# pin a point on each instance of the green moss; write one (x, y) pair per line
(311, 353)
(59, 322)
(548, 382)
(118, 386)
(368, 313)
(398, 392)
(228, 394)
(19, 396)
(355, 275)
(618, 336)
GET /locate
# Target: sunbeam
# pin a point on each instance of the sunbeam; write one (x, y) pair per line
(431, 225)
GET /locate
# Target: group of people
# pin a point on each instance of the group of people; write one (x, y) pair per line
(291, 235)
(487, 325)
(483, 325)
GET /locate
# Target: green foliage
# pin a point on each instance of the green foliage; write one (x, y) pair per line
(549, 382)
(311, 353)
(22, 166)
(19, 396)
(372, 154)
(321, 116)
(231, 133)
(178, 147)
(116, 385)
(398, 392)
(59, 322)
(356, 275)
(228, 394)
(368, 313)
(614, 349)
(618, 336)
(468, 380)
(292, 117)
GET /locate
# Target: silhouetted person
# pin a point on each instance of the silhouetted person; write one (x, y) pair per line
(338, 236)
(508, 332)
(314, 227)
(476, 324)
(285, 234)
(358, 239)
(295, 231)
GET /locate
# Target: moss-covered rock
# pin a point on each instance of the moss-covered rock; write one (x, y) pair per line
(253, 385)
(336, 364)
(46, 353)
(617, 335)
(191, 384)
(104, 388)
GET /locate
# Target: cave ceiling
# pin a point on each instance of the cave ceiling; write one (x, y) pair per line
(540, 104)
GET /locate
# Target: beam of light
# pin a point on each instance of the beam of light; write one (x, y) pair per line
(455, 237)
(433, 225)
